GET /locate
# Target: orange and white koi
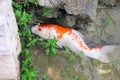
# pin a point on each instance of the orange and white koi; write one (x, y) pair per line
(72, 39)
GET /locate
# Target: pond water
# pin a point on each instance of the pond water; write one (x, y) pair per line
(105, 30)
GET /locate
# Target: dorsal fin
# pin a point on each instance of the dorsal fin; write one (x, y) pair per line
(78, 33)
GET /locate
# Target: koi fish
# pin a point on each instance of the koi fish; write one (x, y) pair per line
(72, 39)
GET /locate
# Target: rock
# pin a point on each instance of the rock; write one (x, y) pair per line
(71, 20)
(109, 3)
(108, 20)
(67, 20)
(9, 42)
(105, 30)
(75, 7)
(91, 28)
(80, 24)
(54, 13)
(50, 3)
(115, 57)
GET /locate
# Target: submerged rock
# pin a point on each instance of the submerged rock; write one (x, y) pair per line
(109, 20)
(105, 30)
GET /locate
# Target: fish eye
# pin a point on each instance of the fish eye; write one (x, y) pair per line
(39, 29)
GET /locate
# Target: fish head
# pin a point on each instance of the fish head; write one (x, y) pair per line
(43, 31)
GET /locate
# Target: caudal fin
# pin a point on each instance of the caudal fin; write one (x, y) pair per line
(101, 54)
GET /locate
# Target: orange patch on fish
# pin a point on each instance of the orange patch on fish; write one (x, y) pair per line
(60, 30)
(81, 43)
(99, 47)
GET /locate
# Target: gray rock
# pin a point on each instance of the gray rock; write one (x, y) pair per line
(9, 42)
(80, 24)
(54, 13)
(105, 30)
(50, 3)
(91, 28)
(75, 7)
(111, 17)
(71, 20)
(67, 20)
(110, 3)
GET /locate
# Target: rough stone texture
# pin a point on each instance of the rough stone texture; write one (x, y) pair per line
(105, 30)
(54, 13)
(75, 7)
(113, 23)
(110, 2)
(67, 20)
(9, 42)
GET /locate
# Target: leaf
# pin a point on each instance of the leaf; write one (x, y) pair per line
(107, 20)
(54, 51)
(67, 50)
(45, 11)
(47, 51)
(95, 61)
(72, 57)
(32, 74)
(18, 13)
(27, 51)
(24, 77)
(31, 43)
(44, 75)
(82, 55)
(68, 68)
(34, 2)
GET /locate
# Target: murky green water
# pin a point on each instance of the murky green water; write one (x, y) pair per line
(71, 67)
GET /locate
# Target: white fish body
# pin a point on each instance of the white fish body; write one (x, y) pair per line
(73, 40)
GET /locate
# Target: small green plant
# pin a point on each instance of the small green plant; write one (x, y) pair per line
(34, 2)
(51, 47)
(107, 20)
(27, 72)
(72, 57)
(95, 61)
(63, 73)
(112, 62)
(78, 78)
(45, 11)
(67, 50)
(66, 70)
(82, 55)
(44, 76)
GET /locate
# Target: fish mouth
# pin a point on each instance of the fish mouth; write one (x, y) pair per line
(34, 29)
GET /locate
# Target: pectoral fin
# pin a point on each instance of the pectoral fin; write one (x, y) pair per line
(78, 33)
(59, 44)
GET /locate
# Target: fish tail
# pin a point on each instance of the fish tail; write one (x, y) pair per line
(101, 54)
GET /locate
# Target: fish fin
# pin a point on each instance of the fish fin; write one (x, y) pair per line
(101, 54)
(78, 33)
(59, 44)
(107, 49)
